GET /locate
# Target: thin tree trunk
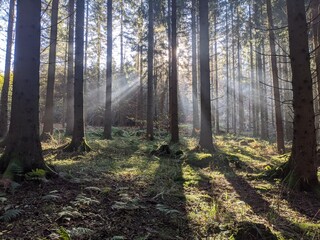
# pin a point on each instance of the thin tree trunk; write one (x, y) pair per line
(70, 80)
(150, 103)
(173, 99)
(7, 69)
(216, 71)
(108, 109)
(276, 91)
(227, 71)
(48, 116)
(195, 105)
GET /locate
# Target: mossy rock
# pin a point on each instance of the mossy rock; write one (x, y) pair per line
(253, 231)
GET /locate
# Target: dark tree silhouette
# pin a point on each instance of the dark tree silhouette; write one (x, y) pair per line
(48, 115)
(150, 103)
(70, 78)
(301, 172)
(23, 149)
(173, 95)
(108, 110)
(206, 140)
(78, 142)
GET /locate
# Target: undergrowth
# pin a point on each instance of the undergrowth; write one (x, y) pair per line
(123, 189)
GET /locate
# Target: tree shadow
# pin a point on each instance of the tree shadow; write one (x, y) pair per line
(258, 204)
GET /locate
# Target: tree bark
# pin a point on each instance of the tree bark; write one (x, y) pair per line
(150, 97)
(7, 69)
(195, 103)
(70, 79)
(23, 149)
(173, 100)
(108, 110)
(206, 140)
(276, 91)
(48, 115)
(302, 172)
(78, 142)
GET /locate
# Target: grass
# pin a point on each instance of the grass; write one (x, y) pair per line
(121, 191)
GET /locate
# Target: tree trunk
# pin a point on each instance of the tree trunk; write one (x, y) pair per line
(174, 78)
(302, 172)
(216, 72)
(276, 91)
(108, 110)
(241, 100)
(195, 104)
(7, 69)
(78, 142)
(227, 71)
(70, 80)
(23, 149)
(86, 64)
(48, 115)
(150, 103)
(206, 140)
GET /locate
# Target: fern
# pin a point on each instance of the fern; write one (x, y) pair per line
(11, 214)
(69, 213)
(36, 175)
(51, 197)
(93, 189)
(81, 199)
(80, 232)
(63, 234)
(165, 209)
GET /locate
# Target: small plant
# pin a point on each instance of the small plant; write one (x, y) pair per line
(11, 215)
(36, 175)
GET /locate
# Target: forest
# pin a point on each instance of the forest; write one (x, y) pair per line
(159, 119)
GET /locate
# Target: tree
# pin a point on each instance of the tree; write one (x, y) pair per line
(301, 172)
(173, 96)
(108, 110)
(7, 69)
(195, 104)
(78, 142)
(48, 116)
(206, 140)
(70, 78)
(23, 149)
(276, 90)
(150, 104)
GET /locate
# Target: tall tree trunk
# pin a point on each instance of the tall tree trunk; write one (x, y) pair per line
(108, 109)
(264, 92)
(276, 91)
(227, 71)
(302, 172)
(48, 115)
(241, 97)
(234, 112)
(150, 103)
(252, 79)
(315, 8)
(78, 142)
(7, 69)
(173, 96)
(70, 80)
(195, 104)
(86, 63)
(216, 72)
(206, 140)
(23, 149)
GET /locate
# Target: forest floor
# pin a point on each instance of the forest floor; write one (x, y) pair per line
(126, 189)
